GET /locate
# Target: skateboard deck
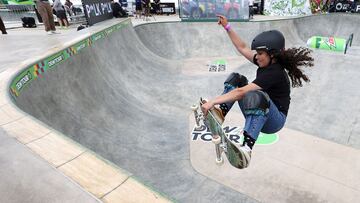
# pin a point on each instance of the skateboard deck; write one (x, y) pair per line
(219, 138)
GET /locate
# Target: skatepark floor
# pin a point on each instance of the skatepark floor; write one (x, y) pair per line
(113, 122)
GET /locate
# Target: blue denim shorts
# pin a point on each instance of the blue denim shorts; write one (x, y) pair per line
(271, 122)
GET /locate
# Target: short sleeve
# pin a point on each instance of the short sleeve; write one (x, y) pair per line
(266, 79)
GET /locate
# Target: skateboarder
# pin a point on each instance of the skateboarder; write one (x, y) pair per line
(265, 101)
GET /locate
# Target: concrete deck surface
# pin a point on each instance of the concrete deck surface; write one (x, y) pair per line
(127, 97)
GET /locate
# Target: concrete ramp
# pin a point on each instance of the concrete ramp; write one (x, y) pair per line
(127, 98)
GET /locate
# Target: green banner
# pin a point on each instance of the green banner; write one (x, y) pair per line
(31, 73)
(17, 2)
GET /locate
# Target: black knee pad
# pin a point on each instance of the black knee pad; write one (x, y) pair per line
(236, 80)
(256, 103)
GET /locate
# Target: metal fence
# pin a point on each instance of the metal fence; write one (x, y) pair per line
(12, 14)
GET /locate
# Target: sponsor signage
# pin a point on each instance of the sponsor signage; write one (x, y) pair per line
(217, 66)
(23, 80)
(202, 133)
(167, 8)
(97, 10)
(344, 6)
(35, 71)
(55, 60)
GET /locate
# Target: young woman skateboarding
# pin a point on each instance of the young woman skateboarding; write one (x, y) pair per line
(265, 101)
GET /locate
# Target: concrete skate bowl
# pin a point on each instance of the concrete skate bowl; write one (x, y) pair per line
(127, 96)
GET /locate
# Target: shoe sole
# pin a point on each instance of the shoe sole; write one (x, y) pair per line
(245, 158)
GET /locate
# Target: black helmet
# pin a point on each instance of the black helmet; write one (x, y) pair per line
(273, 41)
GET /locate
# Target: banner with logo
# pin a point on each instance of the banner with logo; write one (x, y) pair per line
(345, 6)
(97, 10)
(37, 70)
(287, 7)
(167, 8)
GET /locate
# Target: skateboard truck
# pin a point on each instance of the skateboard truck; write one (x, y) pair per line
(197, 116)
(216, 139)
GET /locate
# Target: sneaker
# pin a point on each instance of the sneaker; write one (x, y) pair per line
(49, 32)
(245, 155)
(217, 112)
(54, 32)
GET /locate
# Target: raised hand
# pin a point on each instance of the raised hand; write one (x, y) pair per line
(222, 20)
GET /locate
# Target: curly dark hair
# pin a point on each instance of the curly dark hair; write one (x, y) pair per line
(294, 58)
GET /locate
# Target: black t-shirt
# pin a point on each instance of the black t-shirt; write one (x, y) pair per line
(275, 82)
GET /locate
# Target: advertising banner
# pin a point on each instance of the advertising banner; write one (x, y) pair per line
(357, 7)
(287, 7)
(97, 10)
(345, 6)
(330, 43)
(37, 70)
(167, 8)
(208, 9)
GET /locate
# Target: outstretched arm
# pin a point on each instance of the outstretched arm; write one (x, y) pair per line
(236, 40)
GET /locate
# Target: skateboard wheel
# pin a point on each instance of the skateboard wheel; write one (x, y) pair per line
(219, 161)
(194, 107)
(216, 140)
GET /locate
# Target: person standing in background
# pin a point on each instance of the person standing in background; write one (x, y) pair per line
(45, 11)
(69, 7)
(2, 27)
(138, 8)
(251, 9)
(146, 8)
(157, 6)
(60, 13)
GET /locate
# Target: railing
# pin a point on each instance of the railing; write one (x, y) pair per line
(14, 13)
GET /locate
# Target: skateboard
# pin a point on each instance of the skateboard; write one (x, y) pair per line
(219, 137)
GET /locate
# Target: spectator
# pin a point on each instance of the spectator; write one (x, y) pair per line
(60, 13)
(45, 11)
(251, 9)
(146, 7)
(69, 7)
(157, 6)
(138, 8)
(118, 11)
(2, 27)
